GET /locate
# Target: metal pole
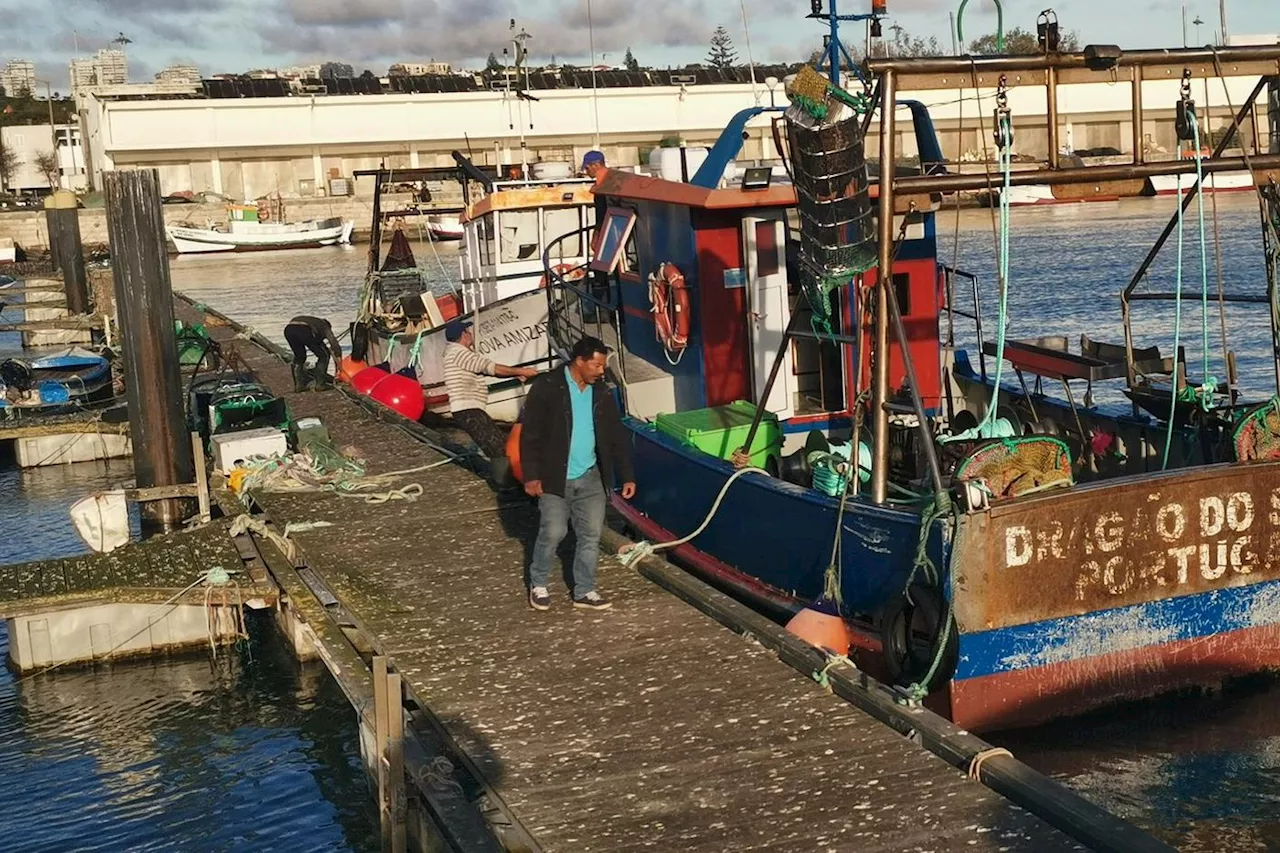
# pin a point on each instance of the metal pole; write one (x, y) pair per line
(833, 45)
(1177, 58)
(884, 279)
(53, 138)
(926, 437)
(1184, 24)
(955, 48)
(1051, 92)
(1222, 20)
(1138, 154)
(144, 300)
(595, 94)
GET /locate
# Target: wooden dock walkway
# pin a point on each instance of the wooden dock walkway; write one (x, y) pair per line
(647, 727)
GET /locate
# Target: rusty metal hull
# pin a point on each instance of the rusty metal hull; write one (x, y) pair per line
(1117, 590)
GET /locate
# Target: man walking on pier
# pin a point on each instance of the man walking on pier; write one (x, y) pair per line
(464, 377)
(571, 445)
(312, 333)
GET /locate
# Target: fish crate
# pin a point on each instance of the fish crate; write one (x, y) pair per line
(720, 430)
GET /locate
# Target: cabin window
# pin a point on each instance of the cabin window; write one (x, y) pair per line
(519, 236)
(767, 260)
(611, 239)
(557, 222)
(902, 290)
(486, 247)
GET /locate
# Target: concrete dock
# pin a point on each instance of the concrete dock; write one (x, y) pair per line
(649, 726)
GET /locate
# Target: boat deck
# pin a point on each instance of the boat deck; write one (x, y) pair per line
(650, 726)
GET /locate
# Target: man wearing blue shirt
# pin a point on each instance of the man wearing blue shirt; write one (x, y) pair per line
(571, 443)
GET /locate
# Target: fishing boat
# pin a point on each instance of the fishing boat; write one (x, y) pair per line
(73, 378)
(261, 227)
(444, 227)
(1223, 182)
(809, 435)
(506, 232)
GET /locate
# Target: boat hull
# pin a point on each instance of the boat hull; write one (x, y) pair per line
(205, 240)
(1220, 182)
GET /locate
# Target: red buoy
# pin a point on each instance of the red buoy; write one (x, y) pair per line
(364, 381)
(400, 394)
(513, 453)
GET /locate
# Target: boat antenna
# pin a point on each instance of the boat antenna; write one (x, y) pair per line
(751, 62)
(595, 92)
(834, 49)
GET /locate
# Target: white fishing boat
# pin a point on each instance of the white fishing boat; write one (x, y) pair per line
(443, 227)
(251, 228)
(505, 234)
(1221, 182)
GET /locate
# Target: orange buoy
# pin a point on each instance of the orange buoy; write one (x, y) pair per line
(364, 381)
(348, 368)
(820, 624)
(399, 394)
(513, 453)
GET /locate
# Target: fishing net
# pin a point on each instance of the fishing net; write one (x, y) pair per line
(1013, 467)
(1257, 436)
(829, 171)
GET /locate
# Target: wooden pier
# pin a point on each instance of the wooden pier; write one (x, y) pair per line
(649, 726)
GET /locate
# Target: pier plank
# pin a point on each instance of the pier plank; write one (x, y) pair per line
(649, 727)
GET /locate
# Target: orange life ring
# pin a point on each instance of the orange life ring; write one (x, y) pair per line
(564, 272)
(669, 303)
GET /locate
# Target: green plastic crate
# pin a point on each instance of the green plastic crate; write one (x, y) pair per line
(720, 430)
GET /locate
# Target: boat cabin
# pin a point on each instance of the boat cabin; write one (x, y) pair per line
(732, 249)
(506, 232)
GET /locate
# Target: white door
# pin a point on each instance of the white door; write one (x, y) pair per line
(764, 250)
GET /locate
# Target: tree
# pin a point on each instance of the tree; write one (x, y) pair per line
(1020, 42)
(9, 163)
(493, 64)
(631, 63)
(47, 165)
(334, 70)
(722, 55)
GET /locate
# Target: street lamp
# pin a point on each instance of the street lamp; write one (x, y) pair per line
(1197, 23)
(53, 134)
(772, 84)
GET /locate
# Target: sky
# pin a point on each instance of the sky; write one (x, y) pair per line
(225, 36)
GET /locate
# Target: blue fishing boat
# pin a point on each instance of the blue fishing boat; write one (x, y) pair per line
(807, 432)
(53, 383)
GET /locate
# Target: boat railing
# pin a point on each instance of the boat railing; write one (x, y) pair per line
(571, 300)
(951, 274)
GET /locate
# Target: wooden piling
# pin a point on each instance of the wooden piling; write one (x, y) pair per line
(143, 294)
(63, 219)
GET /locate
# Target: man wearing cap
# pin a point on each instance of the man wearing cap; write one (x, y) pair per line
(594, 167)
(464, 372)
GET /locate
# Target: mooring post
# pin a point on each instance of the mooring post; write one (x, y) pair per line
(63, 218)
(144, 305)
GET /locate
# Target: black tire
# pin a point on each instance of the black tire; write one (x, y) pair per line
(910, 631)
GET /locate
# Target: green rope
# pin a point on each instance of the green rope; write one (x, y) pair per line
(940, 508)
(999, 25)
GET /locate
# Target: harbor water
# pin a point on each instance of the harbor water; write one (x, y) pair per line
(257, 752)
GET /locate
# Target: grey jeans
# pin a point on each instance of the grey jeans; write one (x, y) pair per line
(584, 504)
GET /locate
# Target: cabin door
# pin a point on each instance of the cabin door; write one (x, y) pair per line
(768, 311)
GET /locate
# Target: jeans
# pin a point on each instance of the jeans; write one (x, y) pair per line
(584, 503)
(487, 435)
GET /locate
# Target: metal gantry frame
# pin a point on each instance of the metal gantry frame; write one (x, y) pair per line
(1048, 70)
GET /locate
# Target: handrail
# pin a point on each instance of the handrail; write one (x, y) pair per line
(1044, 61)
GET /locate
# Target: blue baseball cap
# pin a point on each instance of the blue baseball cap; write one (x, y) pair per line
(454, 328)
(592, 157)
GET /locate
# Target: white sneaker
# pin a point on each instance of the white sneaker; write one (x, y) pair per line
(539, 598)
(592, 601)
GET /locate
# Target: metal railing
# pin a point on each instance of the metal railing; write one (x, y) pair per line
(952, 273)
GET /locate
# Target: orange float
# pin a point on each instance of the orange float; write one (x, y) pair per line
(513, 453)
(349, 367)
(820, 624)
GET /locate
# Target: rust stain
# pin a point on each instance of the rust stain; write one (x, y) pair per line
(1119, 543)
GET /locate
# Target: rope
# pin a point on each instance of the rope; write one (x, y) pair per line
(634, 552)
(975, 763)
(987, 426)
(247, 523)
(822, 677)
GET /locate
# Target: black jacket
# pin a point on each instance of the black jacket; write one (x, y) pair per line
(546, 424)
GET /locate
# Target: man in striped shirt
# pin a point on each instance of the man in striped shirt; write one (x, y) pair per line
(464, 377)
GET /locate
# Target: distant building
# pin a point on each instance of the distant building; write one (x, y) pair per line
(18, 77)
(107, 67)
(299, 72)
(28, 143)
(179, 74)
(419, 69)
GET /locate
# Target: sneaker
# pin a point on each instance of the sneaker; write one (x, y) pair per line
(539, 598)
(592, 601)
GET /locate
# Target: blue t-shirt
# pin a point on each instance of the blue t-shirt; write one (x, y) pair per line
(582, 438)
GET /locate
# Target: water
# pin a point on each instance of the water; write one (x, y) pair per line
(176, 754)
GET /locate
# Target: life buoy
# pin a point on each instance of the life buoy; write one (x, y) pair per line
(564, 272)
(669, 303)
(911, 630)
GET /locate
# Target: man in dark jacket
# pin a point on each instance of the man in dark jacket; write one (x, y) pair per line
(311, 333)
(572, 442)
